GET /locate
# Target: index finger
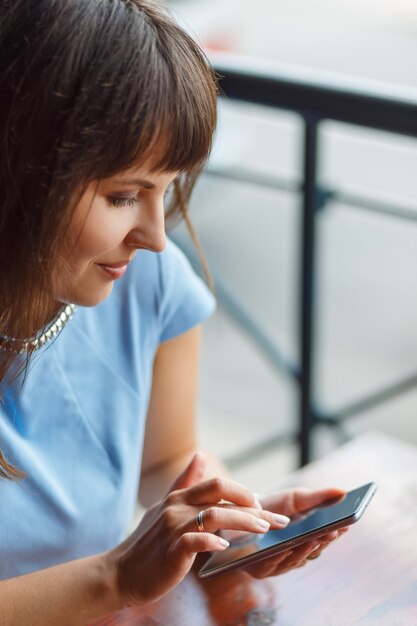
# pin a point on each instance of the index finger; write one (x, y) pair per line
(215, 489)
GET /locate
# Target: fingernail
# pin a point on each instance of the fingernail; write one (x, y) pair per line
(224, 543)
(314, 546)
(281, 519)
(263, 524)
(257, 498)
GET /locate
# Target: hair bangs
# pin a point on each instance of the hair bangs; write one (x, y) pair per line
(164, 100)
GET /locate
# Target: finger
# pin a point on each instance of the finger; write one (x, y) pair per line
(258, 504)
(314, 555)
(218, 518)
(328, 537)
(216, 489)
(305, 499)
(296, 558)
(183, 552)
(291, 559)
(324, 543)
(275, 519)
(192, 473)
(299, 499)
(284, 562)
(292, 566)
(268, 567)
(302, 552)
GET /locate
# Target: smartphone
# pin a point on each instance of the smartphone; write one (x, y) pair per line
(249, 548)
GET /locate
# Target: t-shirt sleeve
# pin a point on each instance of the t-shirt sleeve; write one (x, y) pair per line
(185, 299)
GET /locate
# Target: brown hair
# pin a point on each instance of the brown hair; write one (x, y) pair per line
(88, 88)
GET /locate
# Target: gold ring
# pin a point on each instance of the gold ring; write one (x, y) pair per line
(199, 522)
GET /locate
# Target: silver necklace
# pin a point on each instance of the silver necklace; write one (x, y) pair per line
(49, 332)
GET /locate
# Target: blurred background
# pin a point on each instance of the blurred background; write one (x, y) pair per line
(366, 301)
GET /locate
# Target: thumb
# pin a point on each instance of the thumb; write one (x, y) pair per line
(192, 474)
(307, 499)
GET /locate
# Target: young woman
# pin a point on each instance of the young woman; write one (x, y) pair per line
(105, 105)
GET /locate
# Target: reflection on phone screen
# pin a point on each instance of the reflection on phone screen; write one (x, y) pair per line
(243, 544)
(337, 512)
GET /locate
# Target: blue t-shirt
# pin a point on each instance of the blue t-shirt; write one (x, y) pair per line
(77, 425)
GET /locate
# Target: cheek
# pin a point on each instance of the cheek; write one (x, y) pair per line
(95, 239)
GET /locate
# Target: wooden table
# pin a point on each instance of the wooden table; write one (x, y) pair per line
(368, 577)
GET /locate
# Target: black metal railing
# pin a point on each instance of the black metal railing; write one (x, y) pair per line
(315, 97)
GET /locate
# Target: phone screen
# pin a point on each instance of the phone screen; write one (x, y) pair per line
(349, 508)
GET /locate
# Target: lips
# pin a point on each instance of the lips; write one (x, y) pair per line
(114, 270)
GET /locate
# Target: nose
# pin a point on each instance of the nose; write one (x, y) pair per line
(149, 232)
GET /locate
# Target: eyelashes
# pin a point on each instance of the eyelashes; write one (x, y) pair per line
(119, 202)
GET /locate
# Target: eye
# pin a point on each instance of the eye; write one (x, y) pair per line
(119, 202)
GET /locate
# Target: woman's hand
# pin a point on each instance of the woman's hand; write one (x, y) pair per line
(161, 551)
(292, 502)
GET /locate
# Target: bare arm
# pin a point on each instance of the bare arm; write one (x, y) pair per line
(170, 438)
(70, 594)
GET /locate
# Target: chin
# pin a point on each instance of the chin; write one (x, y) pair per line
(92, 298)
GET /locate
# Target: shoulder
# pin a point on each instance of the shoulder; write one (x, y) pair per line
(185, 299)
(175, 271)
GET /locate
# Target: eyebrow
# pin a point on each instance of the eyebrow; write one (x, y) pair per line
(136, 181)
